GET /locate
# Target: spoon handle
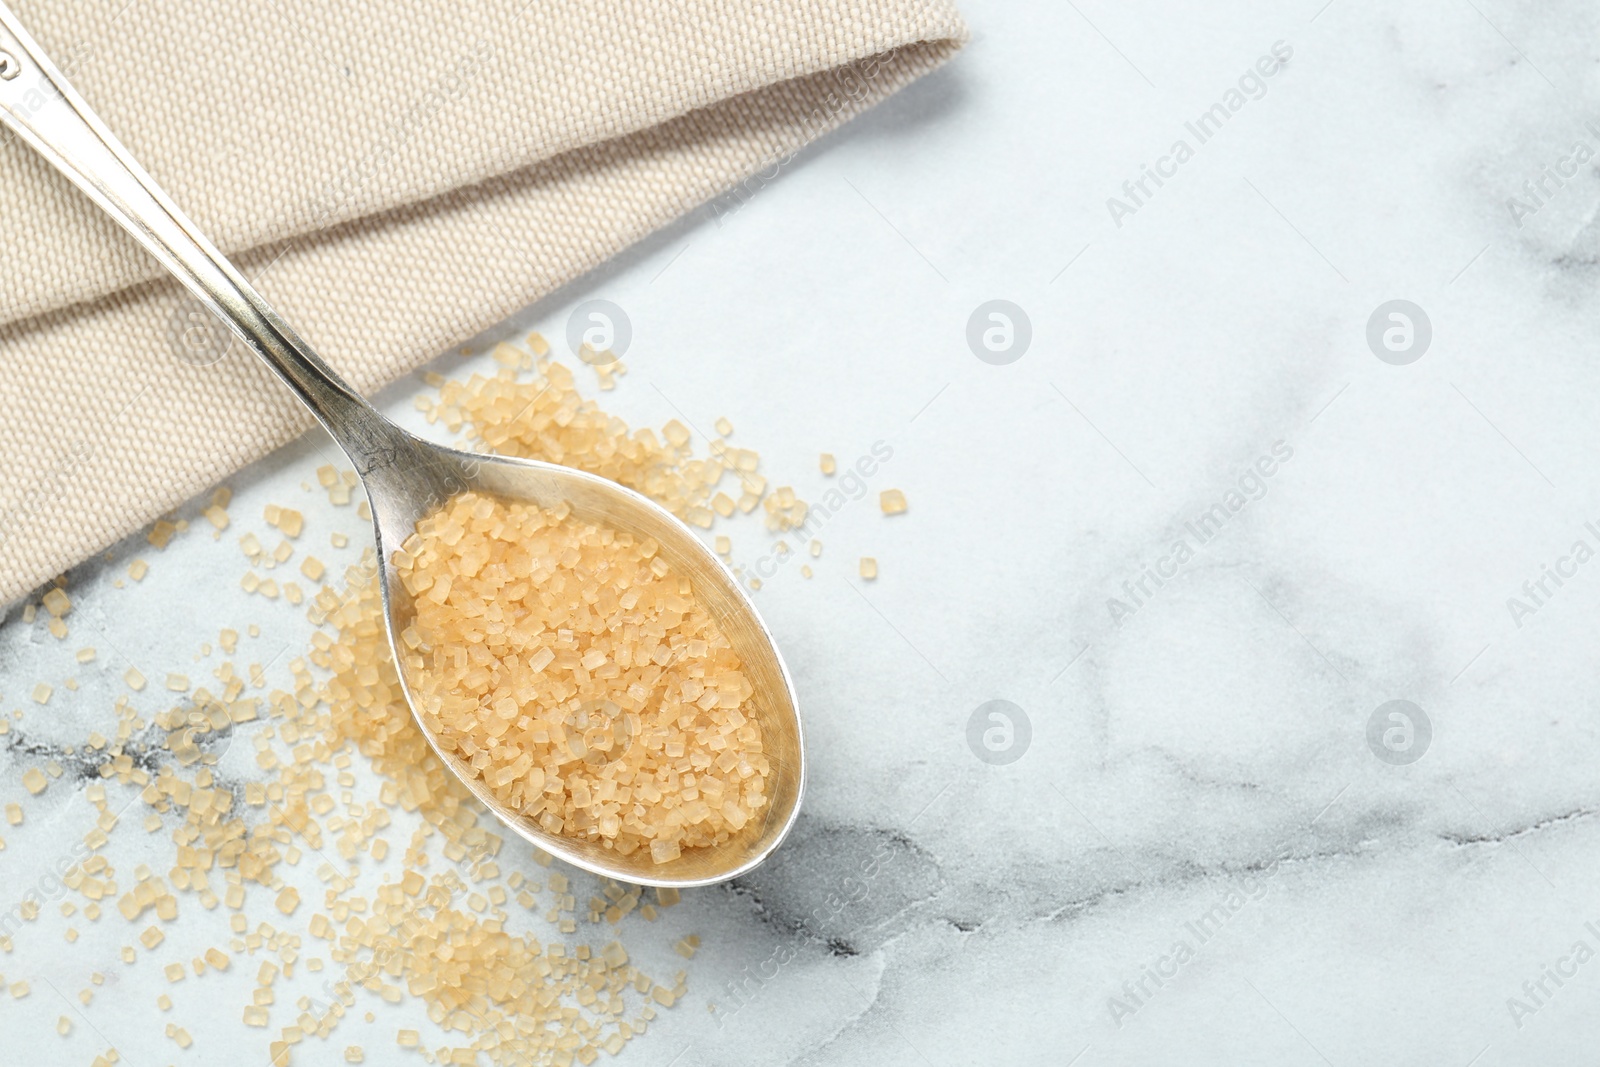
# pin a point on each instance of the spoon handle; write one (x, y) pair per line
(38, 102)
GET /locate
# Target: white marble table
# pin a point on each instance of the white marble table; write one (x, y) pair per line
(1198, 855)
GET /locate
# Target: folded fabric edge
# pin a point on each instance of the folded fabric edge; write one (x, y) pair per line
(54, 554)
(141, 269)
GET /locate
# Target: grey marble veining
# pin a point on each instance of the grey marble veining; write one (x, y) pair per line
(1206, 853)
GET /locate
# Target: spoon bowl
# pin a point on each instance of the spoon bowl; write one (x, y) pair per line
(406, 477)
(403, 493)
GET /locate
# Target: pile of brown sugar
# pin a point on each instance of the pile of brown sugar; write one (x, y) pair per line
(577, 674)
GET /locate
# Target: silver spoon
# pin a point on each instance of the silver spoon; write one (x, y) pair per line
(406, 477)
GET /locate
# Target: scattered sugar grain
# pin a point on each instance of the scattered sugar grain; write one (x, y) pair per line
(288, 900)
(289, 521)
(56, 602)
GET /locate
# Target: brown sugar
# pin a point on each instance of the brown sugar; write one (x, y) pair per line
(570, 667)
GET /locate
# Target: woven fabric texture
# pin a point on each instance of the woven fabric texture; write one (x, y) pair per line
(395, 175)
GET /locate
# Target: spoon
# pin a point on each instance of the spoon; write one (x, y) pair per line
(406, 477)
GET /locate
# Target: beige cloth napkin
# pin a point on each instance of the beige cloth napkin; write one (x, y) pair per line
(405, 174)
